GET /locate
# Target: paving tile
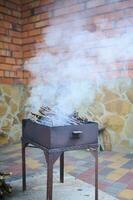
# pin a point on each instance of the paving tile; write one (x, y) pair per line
(121, 171)
(106, 171)
(115, 176)
(127, 178)
(130, 185)
(128, 194)
(69, 168)
(118, 164)
(115, 173)
(128, 165)
(103, 186)
(116, 188)
(129, 156)
(106, 162)
(33, 164)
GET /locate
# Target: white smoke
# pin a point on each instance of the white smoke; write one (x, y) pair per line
(74, 67)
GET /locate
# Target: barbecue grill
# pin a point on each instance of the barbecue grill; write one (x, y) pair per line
(54, 141)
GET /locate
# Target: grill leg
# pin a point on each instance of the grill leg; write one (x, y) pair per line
(23, 167)
(96, 175)
(95, 154)
(49, 177)
(62, 168)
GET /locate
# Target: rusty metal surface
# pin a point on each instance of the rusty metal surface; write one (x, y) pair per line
(60, 136)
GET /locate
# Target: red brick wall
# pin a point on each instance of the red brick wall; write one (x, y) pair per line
(36, 20)
(11, 55)
(24, 22)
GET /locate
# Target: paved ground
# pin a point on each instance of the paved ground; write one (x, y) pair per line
(71, 189)
(115, 169)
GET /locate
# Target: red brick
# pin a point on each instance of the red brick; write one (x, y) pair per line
(34, 18)
(28, 40)
(19, 74)
(5, 52)
(26, 13)
(46, 2)
(25, 81)
(124, 5)
(24, 34)
(16, 13)
(5, 10)
(130, 64)
(16, 67)
(128, 74)
(14, 47)
(28, 54)
(18, 2)
(95, 3)
(68, 10)
(44, 15)
(1, 16)
(15, 34)
(1, 45)
(5, 66)
(3, 30)
(18, 81)
(34, 32)
(17, 40)
(17, 54)
(45, 30)
(10, 5)
(26, 1)
(12, 19)
(25, 20)
(32, 4)
(28, 27)
(2, 60)
(101, 10)
(6, 80)
(7, 74)
(12, 74)
(27, 74)
(1, 73)
(4, 38)
(16, 27)
(128, 12)
(6, 45)
(10, 60)
(19, 61)
(5, 24)
(39, 38)
(42, 24)
(115, 15)
(28, 47)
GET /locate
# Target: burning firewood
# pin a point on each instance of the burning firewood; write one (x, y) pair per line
(46, 116)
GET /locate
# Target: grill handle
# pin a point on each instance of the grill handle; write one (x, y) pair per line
(76, 134)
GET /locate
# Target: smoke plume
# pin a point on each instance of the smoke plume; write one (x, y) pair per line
(75, 65)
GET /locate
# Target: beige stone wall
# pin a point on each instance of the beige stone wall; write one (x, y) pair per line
(113, 109)
(12, 100)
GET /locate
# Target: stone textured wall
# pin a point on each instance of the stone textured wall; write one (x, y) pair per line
(113, 109)
(12, 100)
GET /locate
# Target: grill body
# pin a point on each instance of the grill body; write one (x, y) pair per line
(54, 141)
(60, 136)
